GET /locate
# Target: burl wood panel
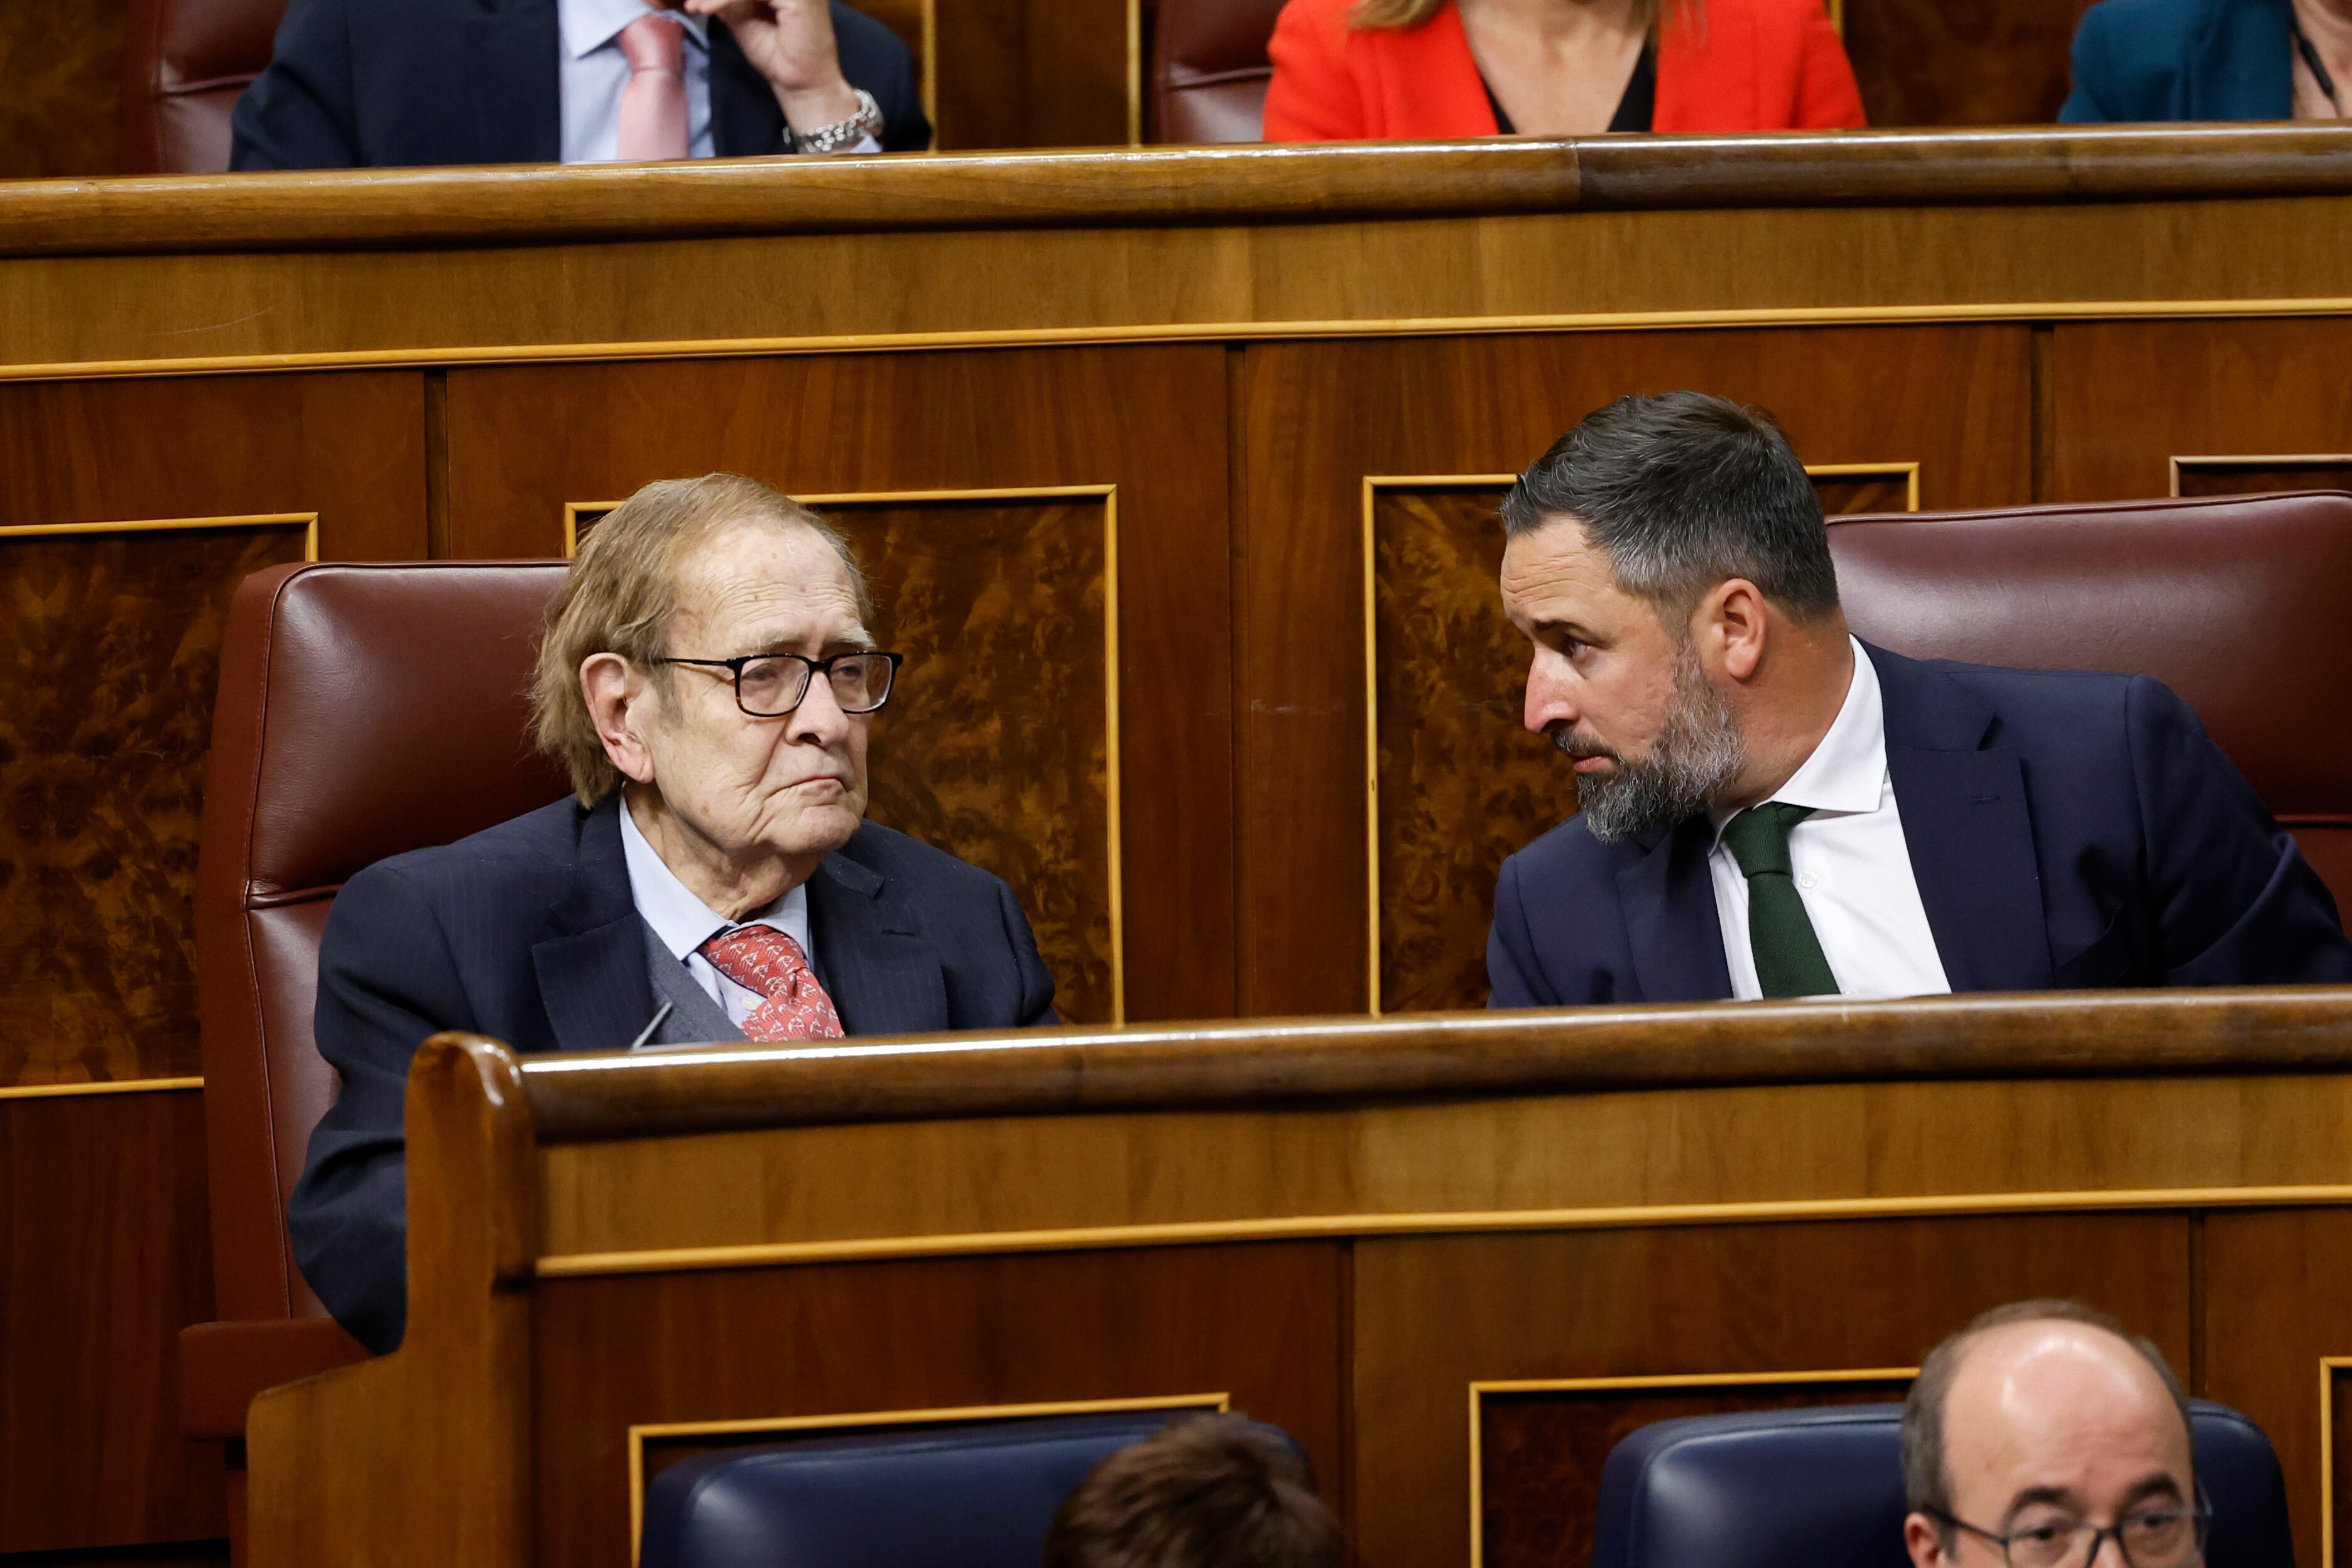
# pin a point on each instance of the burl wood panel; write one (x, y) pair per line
(115, 639)
(1003, 754)
(2338, 1480)
(1261, 1323)
(61, 66)
(2127, 397)
(1982, 62)
(2277, 1297)
(2207, 479)
(525, 441)
(1433, 1315)
(104, 1255)
(1031, 73)
(1844, 495)
(1540, 1454)
(1315, 419)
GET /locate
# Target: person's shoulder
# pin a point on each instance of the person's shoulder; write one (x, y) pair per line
(2072, 710)
(520, 851)
(912, 864)
(1569, 855)
(2143, 20)
(1324, 20)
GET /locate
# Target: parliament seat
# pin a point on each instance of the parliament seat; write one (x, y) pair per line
(979, 1496)
(363, 710)
(1823, 1489)
(2230, 600)
(184, 65)
(1210, 70)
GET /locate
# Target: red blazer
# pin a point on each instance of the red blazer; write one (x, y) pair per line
(1741, 65)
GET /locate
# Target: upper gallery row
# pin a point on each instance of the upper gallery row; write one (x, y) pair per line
(360, 83)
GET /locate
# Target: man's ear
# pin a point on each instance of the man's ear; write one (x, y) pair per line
(1924, 1541)
(619, 698)
(1732, 620)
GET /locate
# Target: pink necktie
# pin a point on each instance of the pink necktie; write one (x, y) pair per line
(762, 959)
(653, 106)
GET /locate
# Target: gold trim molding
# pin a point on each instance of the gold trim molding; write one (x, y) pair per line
(1176, 333)
(2242, 460)
(1632, 1216)
(1633, 1385)
(110, 1085)
(1907, 472)
(638, 1434)
(307, 521)
(1109, 496)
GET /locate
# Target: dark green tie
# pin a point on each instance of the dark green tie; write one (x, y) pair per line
(1789, 960)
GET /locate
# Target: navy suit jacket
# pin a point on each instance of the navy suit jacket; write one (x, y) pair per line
(528, 933)
(2067, 831)
(2183, 60)
(357, 84)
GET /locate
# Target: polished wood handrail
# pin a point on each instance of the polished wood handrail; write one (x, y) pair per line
(1121, 187)
(1435, 1055)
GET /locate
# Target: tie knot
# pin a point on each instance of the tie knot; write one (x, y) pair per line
(1758, 838)
(759, 958)
(653, 43)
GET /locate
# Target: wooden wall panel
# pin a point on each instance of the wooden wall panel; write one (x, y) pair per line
(104, 1255)
(1033, 73)
(60, 81)
(2127, 397)
(2276, 1299)
(524, 442)
(1317, 419)
(1259, 1323)
(2207, 476)
(1960, 62)
(1830, 1297)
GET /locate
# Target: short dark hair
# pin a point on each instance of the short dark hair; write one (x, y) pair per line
(1927, 1482)
(1212, 1491)
(1682, 491)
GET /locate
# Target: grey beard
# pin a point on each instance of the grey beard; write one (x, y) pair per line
(1698, 752)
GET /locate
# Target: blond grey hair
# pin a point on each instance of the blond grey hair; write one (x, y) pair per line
(622, 593)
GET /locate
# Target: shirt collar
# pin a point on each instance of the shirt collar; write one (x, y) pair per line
(590, 25)
(1847, 771)
(682, 920)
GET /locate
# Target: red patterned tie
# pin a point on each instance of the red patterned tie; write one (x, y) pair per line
(764, 959)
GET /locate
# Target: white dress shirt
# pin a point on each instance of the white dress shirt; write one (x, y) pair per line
(1851, 865)
(595, 71)
(685, 923)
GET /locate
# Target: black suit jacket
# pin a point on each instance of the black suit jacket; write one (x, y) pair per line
(2066, 830)
(357, 84)
(528, 933)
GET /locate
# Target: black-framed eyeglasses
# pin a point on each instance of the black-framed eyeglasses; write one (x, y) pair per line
(771, 685)
(2170, 1536)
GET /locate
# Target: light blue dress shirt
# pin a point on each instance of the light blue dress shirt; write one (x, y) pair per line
(684, 923)
(595, 71)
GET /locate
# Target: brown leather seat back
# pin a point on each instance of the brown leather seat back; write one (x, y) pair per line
(363, 710)
(184, 65)
(2233, 602)
(1209, 70)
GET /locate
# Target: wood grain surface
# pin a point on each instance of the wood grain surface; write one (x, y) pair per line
(62, 64)
(2258, 475)
(1927, 62)
(104, 1257)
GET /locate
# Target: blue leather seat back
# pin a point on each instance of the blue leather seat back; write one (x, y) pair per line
(976, 1495)
(1823, 1489)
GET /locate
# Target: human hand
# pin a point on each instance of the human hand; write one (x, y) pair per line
(791, 43)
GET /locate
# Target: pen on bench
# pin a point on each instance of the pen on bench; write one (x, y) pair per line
(649, 1028)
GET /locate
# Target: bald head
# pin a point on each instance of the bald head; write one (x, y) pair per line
(2039, 1419)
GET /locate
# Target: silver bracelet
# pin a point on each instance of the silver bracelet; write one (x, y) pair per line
(867, 121)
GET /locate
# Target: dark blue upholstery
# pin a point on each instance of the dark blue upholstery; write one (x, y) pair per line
(1823, 1489)
(977, 1496)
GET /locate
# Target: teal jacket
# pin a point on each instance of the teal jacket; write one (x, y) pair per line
(2183, 60)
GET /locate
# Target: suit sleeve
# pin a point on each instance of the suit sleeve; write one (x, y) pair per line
(1828, 98)
(298, 113)
(386, 983)
(1313, 96)
(2085, 102)
(1035, 1004)
(1514, 978)
(876, 58)
(2235, 902)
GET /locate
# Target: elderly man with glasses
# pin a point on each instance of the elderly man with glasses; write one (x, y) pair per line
(2043, 1435)
(708, 680)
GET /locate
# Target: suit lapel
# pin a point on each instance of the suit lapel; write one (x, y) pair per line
(1668, 900)
(1966, 822)
(513, 56)
(746, 121)
(883, 976)
(593, 979)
